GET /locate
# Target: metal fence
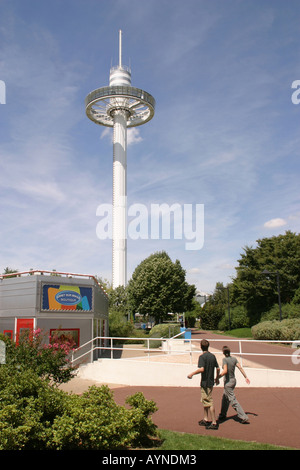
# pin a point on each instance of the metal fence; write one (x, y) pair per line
(162, 348)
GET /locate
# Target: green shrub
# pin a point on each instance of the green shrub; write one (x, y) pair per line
(192, 315)
(296, 298)
(119, 326)
(238, 319)
(163, 330)
(285, 330)
(211, 315)
(28, 408)
(143, 426)
(288, 311)
(37, 416)
(48, 359)
(94, 421)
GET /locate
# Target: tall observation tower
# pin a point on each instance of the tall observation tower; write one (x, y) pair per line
(120, 106)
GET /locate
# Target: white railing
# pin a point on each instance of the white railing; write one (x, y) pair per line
(103, 344)
(109, 340)
(239, 353)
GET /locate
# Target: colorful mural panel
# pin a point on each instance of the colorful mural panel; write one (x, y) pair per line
(67, 297)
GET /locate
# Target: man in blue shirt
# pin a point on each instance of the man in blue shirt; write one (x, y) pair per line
(207, 363)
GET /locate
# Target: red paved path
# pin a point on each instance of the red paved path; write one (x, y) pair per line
(274, 413)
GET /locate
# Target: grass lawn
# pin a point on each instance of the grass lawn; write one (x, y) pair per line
(237, 333)
(183, 441)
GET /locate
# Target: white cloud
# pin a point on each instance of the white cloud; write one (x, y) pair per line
(46, 190)
(193, 271)
(133, 135)
(107, 132)
(219, 131)
(274, 223)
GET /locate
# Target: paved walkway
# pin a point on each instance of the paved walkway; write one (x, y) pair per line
(281, 362)
(274, 413)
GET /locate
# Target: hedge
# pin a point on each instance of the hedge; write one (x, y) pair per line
(285, 330)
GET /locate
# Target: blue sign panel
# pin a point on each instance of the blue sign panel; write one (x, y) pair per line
(67, 297)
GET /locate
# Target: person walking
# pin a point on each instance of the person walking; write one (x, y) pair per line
(229, 364)
(207, 363)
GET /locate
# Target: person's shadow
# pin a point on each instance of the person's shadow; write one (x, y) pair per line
(236, 418)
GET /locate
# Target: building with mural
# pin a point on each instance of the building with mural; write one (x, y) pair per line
(72, 305)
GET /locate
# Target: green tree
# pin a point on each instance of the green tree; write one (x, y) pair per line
(256, 291)
(192, 315)
(119, 322)
(11, 271)
(158, 287)
(118, 300)
(296, 298)
(214, 309)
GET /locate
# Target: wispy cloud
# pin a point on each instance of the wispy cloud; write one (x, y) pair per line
(274, 223)
(48, 195)
(133, 135)
(225, 133)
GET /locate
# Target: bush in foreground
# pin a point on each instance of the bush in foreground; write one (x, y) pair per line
(94, 421)
(28, 408)
(37, 416)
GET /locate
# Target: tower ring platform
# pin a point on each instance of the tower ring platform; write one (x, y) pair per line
(101, 104)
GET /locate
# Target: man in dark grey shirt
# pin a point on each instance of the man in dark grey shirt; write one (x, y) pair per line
(207, 364)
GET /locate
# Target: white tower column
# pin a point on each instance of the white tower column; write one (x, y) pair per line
(119, 260)
(119, 106)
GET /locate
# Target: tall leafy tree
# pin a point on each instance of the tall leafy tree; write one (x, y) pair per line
(214, 309)
(119, 313)
(259, 292)
(158, 287)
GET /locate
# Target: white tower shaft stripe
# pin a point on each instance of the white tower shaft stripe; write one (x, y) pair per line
(119, 199)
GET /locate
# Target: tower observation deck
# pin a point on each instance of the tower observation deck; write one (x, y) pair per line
(120, 106)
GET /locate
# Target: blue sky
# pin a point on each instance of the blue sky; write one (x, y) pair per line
(225, 132)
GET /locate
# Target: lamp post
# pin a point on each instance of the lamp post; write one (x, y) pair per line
(228, 307)
(228, 304)
(268, 273)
